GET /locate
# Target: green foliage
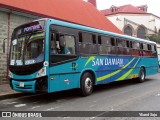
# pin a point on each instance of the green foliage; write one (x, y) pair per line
(155, 38)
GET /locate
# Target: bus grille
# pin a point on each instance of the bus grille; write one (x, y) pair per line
(25, 87)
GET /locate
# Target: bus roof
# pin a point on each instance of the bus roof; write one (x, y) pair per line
(85, 28)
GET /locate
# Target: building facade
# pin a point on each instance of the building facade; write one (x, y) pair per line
(134, 21)
(8, 21)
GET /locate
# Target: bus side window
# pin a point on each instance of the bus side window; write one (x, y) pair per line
(87, 43)
(123, 47)
(154, 50)
(135, 48)
(147, 50)
(104, 45)
(67, 44)
(113, 46)
(131, 46)
(113, 43)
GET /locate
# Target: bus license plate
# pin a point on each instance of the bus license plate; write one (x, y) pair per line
(21, 84)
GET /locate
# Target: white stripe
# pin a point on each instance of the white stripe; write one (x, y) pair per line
(9, 103)
(20, 105)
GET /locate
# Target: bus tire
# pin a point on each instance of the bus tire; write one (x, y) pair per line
(142, 75)
(86, 84)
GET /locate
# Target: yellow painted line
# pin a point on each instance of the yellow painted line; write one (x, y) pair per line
(113, 73)
(90, 59)
(126, 74)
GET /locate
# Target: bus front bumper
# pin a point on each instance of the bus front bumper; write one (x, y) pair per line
(27, 86)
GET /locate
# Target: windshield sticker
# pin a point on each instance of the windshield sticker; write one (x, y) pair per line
(19, 62)
(14, 42)
(12, 62)
(27, 62)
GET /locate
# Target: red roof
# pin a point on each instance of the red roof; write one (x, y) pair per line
(77, 11)
(124, 9)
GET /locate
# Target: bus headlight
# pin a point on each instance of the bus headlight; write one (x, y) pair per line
(10, 74)
(41, 73)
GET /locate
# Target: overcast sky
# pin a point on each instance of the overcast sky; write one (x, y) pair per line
(153, 5)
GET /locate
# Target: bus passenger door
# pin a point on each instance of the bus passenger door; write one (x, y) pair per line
(62, 62)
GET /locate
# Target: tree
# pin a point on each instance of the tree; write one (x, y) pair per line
(155, 38)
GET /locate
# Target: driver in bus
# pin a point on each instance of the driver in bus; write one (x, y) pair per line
(63, 48)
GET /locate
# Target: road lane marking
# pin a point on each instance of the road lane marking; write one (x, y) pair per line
(157, 94)
(9, 103)
(52, 108)
(92, 118)
(20, 105)
(35, 107)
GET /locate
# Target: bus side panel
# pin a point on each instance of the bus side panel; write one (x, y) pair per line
(122, 68)
(150, 65)
(62, 82)
(115, 68)
(63, 77)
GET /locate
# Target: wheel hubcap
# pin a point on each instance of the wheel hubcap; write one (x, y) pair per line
(142, 75)
(88, 84)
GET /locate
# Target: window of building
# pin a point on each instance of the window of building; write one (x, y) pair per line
(128, 30)
(141, 32)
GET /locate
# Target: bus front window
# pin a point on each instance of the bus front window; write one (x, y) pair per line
(28, 49)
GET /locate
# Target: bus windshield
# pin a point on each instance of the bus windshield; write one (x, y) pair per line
(27, 48)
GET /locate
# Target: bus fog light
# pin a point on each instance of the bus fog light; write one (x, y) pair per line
(41, 73)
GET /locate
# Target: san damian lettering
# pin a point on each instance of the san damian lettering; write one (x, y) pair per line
(107, 61)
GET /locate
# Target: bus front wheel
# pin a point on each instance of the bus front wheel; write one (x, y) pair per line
(142, 75)
(86, 84)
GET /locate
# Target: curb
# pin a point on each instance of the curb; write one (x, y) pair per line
(13, 95)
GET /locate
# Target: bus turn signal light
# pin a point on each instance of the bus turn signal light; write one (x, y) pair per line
(52, 78)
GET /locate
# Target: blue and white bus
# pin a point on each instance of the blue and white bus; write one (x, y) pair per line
(52, 55)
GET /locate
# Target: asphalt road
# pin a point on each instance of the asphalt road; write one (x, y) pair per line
(119, 96)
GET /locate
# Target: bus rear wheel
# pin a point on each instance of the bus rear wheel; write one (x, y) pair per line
(86, 84)
(142, 75)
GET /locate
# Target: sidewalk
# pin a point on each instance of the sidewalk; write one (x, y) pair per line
(6, 92)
